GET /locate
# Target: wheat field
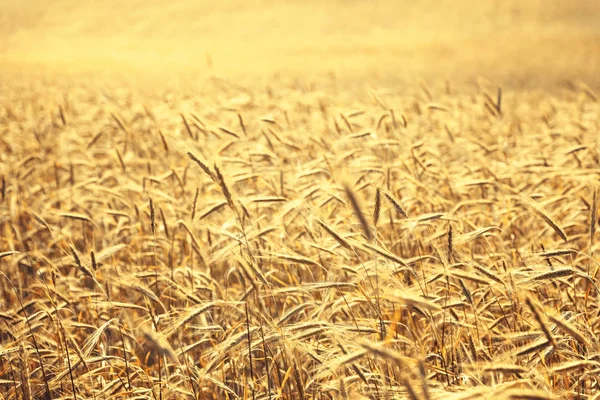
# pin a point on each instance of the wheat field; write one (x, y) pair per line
(390, 200)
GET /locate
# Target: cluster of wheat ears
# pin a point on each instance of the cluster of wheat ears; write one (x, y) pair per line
(294, 242)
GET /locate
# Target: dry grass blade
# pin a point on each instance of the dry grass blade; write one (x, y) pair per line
(119, 123)
(219, 384)
(437, 107)
(358, 212)
(315, 287)
(210, 210)
(221, 181)
(487, 273)
(579, 365)
(593, 219)
(381, 351)
(385, 254)
(86, 271)
(294, 311)
(80, 217)
(8, 253)
(41, 221)
(152, 217)
(540, 320)
(229, 132)
(296, 259)
(429, 217)
(159, 344)
(187, 126)
(231, 343)
(569, 328)
(467, 237)
(557, 273)
(540, 212)
(202, 165)
(271, 199)
(532, 348)
(186, 316)
(395, 204)
(413, 300)
(241, 121)
(377, 208)
(99, 257)
(557, 253)
(109, 251)
(338, 238)
(527, 394)
(94, 338)
(505, 369)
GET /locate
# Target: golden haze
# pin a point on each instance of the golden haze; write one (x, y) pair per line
(527, 42)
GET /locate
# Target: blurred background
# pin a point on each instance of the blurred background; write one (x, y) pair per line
(528, 42)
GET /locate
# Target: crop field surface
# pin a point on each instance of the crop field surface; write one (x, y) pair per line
(299, 200)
